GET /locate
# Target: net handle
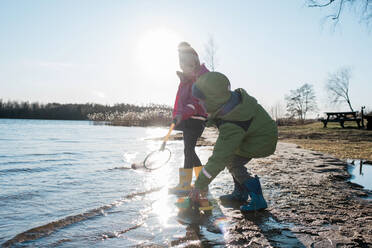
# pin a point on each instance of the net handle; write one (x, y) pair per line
(167, 136)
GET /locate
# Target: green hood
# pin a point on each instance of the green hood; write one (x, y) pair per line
(216, 88)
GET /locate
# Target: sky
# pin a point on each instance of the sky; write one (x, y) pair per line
(108, 52)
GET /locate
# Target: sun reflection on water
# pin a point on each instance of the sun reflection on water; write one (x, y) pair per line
(163, 206)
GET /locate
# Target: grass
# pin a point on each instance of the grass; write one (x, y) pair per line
(346, 143)
(144, 118)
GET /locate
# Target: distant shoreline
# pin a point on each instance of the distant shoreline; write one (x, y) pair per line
(118, 114)
(109, 123)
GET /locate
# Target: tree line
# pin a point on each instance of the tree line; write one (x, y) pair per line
(87, 111)
(302, 101)
(299, 103)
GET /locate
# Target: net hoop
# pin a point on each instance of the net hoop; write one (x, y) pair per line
(145, 162)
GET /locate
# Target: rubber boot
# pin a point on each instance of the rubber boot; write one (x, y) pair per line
(253, 187)
(197, 170)
(184, 186)
(238, 195)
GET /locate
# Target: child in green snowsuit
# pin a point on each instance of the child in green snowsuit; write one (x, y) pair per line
(246, 131)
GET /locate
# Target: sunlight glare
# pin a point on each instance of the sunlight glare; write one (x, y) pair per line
(164, 207)
(157, 51)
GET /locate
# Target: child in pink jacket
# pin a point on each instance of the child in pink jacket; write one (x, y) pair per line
(189, 115)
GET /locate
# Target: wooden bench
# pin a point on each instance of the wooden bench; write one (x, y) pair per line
(341, 117)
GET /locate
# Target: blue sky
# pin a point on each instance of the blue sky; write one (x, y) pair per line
(78, 51)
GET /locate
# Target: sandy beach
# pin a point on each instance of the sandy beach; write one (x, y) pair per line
(311, 202)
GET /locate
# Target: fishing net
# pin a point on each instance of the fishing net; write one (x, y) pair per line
(157, 159)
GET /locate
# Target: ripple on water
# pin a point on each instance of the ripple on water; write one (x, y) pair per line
(23, 170)
(73, 203)
(49, 228)
(19, 196)
(52, 164)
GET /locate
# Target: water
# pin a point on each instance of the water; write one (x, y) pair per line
(361, 173)
(68, 184)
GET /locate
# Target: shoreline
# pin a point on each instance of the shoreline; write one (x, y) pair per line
(311, 202)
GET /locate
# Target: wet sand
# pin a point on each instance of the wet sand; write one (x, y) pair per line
(311, 202)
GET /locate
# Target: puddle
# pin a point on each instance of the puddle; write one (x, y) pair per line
(361, 173)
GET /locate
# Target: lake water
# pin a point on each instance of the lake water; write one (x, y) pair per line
(67, 184)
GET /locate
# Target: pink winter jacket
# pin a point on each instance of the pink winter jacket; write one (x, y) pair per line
(187, 105)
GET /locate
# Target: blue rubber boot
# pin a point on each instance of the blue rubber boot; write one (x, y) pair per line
(238, 195)
(257, 202)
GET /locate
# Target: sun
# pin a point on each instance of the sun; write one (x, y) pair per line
(157, 51)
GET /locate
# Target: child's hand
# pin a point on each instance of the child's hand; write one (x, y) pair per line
(195, 195)
(177, 120)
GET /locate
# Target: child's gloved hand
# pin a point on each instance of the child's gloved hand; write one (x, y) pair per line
(195, 195)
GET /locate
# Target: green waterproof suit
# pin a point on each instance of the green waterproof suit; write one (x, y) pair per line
(258, 140)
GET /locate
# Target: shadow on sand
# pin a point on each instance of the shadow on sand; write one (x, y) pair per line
(277, 233)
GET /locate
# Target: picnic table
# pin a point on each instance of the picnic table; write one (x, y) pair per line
(341, 117)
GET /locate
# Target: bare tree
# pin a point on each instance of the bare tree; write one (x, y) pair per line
(301, 101)
(362, 8)
(210, 53)
(337, 86)
(276, 111)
